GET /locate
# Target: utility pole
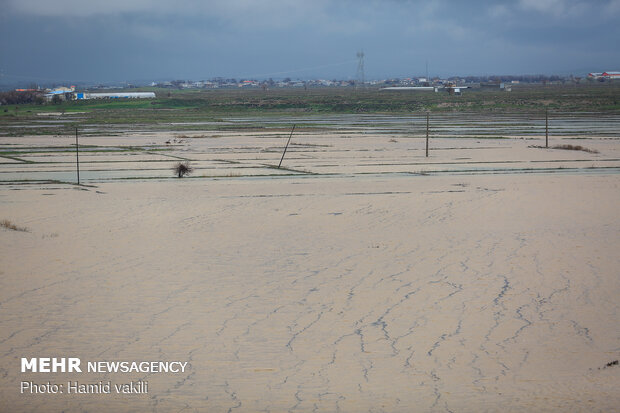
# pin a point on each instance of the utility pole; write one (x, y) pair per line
(360, 69)
(427, 127)
(289, 140)
(546, 128)
(77, 155)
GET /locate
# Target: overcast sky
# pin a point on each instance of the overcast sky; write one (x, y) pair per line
(128, 40)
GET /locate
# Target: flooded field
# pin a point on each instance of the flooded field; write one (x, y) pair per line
(361, 276)
(326, 145)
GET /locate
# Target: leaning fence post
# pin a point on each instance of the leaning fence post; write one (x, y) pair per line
(287, 142)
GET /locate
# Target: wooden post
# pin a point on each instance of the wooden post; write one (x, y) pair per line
(427, 127)
(287, 142)
(546, 128)
(77, 155)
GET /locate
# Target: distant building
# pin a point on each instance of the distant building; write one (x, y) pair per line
(411, 88)
(115, 95)
(492, 85)
(61, 90)
(611, 75)
(62, 93)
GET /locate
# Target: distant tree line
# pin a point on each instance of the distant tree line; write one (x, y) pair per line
(16, 98)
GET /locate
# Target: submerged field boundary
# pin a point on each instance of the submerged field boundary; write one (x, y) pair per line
(611, 170)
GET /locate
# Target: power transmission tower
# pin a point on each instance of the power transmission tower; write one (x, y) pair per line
(360, 69)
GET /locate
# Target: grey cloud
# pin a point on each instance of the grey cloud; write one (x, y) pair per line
(138, 39)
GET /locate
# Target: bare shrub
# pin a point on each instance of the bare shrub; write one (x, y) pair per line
(575, 148)
(567, 147)
(5, 223)
(182, 168)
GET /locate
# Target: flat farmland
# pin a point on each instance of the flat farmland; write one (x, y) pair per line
(463, 143)
(361, 275)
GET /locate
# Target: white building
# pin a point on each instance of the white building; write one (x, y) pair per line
(115, 95)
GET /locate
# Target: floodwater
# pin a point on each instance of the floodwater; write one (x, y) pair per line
(348, 145)
(361, 276)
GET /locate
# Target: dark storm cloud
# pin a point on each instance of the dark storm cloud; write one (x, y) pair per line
(140, 39)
